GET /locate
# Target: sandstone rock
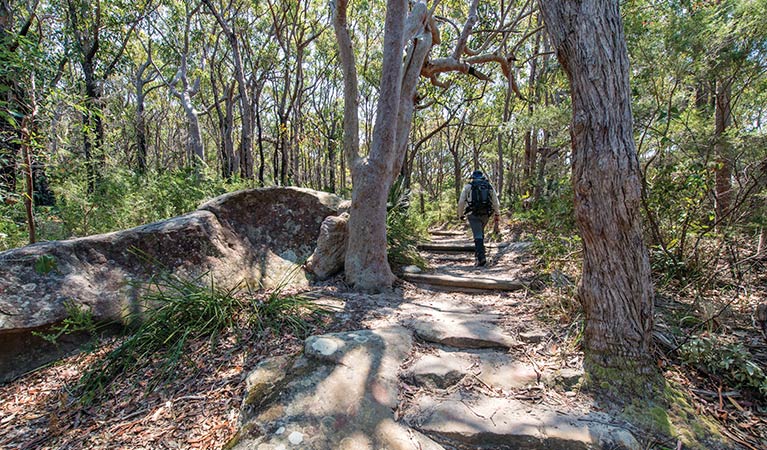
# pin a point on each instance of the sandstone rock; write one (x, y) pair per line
(497, 370)
(340, 395)
(503, 371)
(533, 336)
(411, 269)
(461, 331)
(328, 257)
(440, 370)
(505, 424)
(260, 236)
(566, 378)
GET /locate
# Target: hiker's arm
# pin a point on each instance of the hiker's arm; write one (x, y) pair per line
(462, 203)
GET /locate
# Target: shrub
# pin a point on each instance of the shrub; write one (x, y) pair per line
(730, 361)
(403, 229)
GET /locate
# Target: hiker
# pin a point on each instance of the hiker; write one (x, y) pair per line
(478, 200)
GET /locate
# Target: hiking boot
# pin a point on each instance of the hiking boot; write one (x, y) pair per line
(479, 252)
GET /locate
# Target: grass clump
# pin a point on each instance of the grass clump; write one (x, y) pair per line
(174, 312)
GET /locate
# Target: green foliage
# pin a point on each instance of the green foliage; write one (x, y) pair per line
(122, 200)
(403, 229)
(174, 311)
(441, 210)
(13, 231)
(552, 222)
(731, 361)
(45, 264)
(78, 319)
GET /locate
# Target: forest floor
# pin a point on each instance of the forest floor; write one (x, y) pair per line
(534, 360)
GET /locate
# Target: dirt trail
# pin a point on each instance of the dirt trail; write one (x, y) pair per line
(436, 367)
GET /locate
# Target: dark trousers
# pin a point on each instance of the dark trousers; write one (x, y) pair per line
(477, 224)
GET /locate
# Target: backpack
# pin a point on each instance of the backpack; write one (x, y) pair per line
(479, 198)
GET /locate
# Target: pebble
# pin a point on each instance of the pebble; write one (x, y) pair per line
(296, 438)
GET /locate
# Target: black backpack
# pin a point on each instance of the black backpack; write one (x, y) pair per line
(479, 200)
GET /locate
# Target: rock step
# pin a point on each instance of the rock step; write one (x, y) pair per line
(340, 395)
(494, 369)
(456, 246)
(464, 282)
(447, 232)
(480, 422)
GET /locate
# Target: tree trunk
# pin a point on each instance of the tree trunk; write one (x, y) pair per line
(616, 290)
(284, 151)
(229, 155)
(195, 145)
(92, 124)
(246, 138)
(259, 128)
(9, 132)
(27, 145)
(723, 173)
(141, 144)
(9, 151)
(366, 265)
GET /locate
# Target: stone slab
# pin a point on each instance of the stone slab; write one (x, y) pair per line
(505, 424)
(461, 331)
(340, 395)
(443, 369)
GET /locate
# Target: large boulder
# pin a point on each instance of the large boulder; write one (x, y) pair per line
(328, 257)
(259, 236)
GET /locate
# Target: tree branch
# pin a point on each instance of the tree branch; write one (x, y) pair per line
(466, 32)
(351, 89)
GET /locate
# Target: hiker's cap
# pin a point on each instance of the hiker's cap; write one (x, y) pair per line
(477, 174)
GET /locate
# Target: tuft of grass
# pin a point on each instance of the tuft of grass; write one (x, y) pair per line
(175, 311)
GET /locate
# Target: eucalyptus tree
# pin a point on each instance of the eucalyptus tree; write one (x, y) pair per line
(100, 32)
(294, 29)
(222, 88)
(695, 68)
(413, 33)
(15, 22)
(31, 66)
(234, 30)
(143, 75)
(177, 53)
(616, 290)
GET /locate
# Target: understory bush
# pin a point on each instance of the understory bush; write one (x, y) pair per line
(121, 200)
(550, 222)
(404, 228)
(731, 361)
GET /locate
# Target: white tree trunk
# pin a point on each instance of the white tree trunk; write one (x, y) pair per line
(366, 265)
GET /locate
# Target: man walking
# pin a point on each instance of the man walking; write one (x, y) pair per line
(478, 200)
